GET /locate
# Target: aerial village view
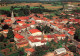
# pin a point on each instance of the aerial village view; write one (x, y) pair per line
(39, 28)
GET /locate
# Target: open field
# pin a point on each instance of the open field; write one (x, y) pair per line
(47, 6)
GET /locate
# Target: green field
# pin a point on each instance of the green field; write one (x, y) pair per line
(7, 8)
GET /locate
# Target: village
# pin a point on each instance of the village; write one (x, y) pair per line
(36, 30)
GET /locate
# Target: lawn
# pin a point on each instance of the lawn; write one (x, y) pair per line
(7, 8)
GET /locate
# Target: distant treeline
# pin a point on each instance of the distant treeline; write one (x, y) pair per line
(25, 11)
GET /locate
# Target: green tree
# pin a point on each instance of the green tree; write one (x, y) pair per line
(48, 44)
(72, 48)
(12, 8)
(1, 37)
(21, 52)
(10, 34)
(65, 40)
(77, 33)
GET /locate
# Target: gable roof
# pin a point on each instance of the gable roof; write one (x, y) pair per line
(35, 40)
(29, 49)
(71, 32)
(18, 36)
(62, 35)
(7, 20)
(34, 30)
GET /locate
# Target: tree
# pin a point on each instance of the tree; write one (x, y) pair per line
(10, 34)
(12, 7)
(72, 48)
(2, 20)
(42, 28)
(49, 17)
(21, 51)
(65, 40)
(77, 34)
(5, 26)
(48, 44)
(41, 6)
(1, 37)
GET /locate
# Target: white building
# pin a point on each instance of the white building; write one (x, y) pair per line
(60, 51)
(35, 32)
(36, 42)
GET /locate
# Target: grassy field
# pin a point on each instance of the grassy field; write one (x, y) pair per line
(47, 6)
(7, 8)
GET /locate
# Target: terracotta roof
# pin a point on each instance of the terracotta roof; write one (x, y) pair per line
(5, 30)
(56, 34)
(42, 41)
(71, 32)
(21, 40)
(28, 25)
(20, 22)
(63, 35)
(49, 36)
(22, 18)
(45, 36)
(34, 30)
(31, 37)
(29, 49)
(35, 40)
(32, 22)
(18, 36)
(44, 18)
(64, 19)
(7, 20)
(71, 27)
(16, 29)
(22, 43)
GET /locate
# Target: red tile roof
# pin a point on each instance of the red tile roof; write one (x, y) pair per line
(22, 18)
(5, 30)
(49, 36)
(63, 35)
(29, 49)
(16, 29)
(20, 22)
(31, 37)
(35, 40)
(34, 30)
(42, 41)
(18, 36)
(32, 22)
(71, 32)
(7, 20)
(22, 43)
